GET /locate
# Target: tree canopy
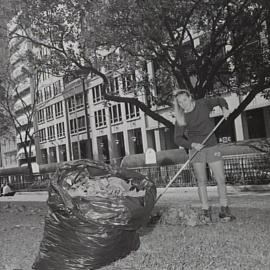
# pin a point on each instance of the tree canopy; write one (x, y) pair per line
(66, 32)
(17, 112)
(207, 46)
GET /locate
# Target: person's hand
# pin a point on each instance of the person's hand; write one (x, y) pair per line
(197, 146)
(226, 113)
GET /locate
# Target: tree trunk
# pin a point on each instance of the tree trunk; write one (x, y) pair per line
(29, 164)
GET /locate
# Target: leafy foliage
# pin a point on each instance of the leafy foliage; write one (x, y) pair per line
(208, 46)
(204, 45)
(17, 113)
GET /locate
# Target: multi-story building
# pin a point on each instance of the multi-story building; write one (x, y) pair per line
(50, 121)
(22, 96)
(8, 151)
(74, 121)
(8, 147)
(120, 129)
(79, 135)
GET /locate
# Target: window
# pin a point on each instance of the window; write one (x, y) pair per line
(115, 113)
(256, 123)
(48, 92)
(62, 153)
(77, 125)
(97, 93)
(42, 135)
(71, 104)
(75, 150)
(100, 118)
(44, 156)
(51, 133)
(39, 96)
(44, 52)
(128, 81)
(60, 130)
(81, 123)
(58, 109)
(49, 112)
(56, 87)
(45, 75)
(114, 85)
(131, 111)
(40, 116)
(52, 153)
(79, 100)
(73, 126)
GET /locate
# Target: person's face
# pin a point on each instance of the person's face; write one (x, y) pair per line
(185, 101)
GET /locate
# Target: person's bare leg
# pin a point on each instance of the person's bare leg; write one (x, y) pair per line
(217, 168)
(201, 176)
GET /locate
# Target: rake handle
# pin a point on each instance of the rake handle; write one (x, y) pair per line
(192, 156)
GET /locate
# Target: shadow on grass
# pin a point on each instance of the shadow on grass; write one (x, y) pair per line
(153, 221)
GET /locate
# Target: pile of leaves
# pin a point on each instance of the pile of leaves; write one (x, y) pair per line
(82, 185)
(183, 216)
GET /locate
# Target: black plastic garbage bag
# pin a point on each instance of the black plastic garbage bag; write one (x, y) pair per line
(94, 214)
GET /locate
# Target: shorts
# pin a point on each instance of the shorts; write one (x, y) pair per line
(206, 155)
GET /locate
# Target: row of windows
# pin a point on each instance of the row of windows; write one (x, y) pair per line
(116, 114)
(75, 102)
(128, 83)
(49, 91)
(78, 124)
(50, 134)
(50, 154)
(51, 112)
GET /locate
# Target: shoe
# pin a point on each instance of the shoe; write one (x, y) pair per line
(225, 214)
(206, 216)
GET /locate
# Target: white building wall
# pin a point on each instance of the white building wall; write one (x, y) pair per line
(55, 142)
(145, 123)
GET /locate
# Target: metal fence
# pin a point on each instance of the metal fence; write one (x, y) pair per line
(245, 169)
(248, 169)
(23, 182)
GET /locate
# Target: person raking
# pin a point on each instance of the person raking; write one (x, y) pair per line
(193, 124)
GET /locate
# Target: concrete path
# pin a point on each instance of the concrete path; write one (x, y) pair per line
(239, 197)
(40, 196)
(184, 195)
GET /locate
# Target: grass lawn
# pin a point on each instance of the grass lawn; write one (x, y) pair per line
(242, 244)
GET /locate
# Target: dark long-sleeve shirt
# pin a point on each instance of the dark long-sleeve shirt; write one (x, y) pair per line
(198, 123)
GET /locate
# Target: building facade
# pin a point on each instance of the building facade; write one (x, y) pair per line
(13, 153)
(120, 129)
(73, 121)
(50, 122)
